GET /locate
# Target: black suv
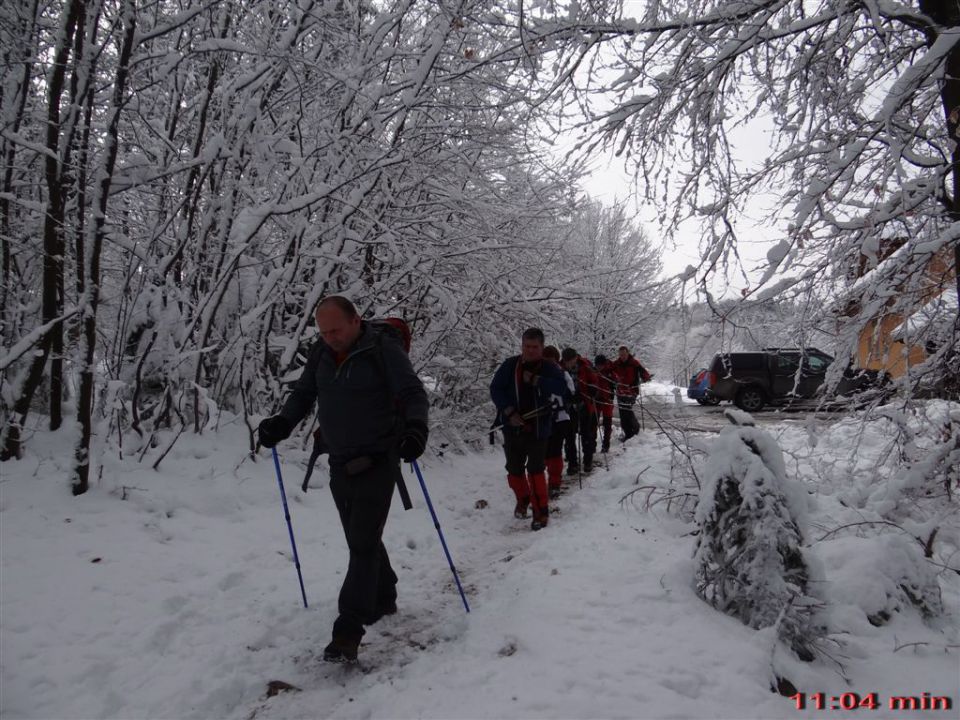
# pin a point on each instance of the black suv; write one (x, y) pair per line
(753, 379)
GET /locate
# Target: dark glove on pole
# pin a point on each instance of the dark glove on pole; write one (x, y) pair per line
(274, 429)
(413, 441)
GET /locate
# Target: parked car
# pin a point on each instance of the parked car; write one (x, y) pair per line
(699, 388)
(754, 379)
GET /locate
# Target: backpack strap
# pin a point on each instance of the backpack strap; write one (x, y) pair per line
(317, 451)
(382, 363)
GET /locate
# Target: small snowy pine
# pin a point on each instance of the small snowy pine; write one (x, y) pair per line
(749, 562)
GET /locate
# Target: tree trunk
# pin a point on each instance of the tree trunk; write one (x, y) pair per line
(18, 54)
(98, 233)
(946, 15)
(53, 249)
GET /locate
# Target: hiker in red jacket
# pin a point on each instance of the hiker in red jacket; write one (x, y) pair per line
(629, 373)
(587, 383)
(605, 398)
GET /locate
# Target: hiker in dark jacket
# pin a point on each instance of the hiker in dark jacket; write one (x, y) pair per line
(372, 412)
(521, 389)
(587, 384)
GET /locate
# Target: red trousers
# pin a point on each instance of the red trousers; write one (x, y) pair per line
(532, 486)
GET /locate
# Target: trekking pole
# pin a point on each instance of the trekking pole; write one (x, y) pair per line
(580, 459)
(436, 524)
(606, 458)
(640, 398)
(529, 415)
(286, 514)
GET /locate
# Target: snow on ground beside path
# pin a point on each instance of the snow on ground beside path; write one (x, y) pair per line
(181, 601)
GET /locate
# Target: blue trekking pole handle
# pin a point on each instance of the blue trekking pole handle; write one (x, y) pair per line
(436, 524)
(286, 514)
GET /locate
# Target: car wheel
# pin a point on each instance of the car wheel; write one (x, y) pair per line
(750, 399)
(701, 401)
(711, 400)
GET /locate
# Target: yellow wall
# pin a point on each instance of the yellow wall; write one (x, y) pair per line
(877, 350)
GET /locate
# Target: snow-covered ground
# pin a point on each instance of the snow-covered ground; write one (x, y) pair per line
(171, 594)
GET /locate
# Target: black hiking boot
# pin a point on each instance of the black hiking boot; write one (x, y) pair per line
(347, 633)
(342, 649)
(555, 492)
(588, 465)
(540, 518)
(573, 468)
(520, 511)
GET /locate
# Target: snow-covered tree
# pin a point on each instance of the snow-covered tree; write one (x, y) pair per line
(604, 281)
(858, 105)
(203, 177)
(689, 334)
(749, 557)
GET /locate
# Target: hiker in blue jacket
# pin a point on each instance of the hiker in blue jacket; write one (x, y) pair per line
(521, 389)
(372, 412)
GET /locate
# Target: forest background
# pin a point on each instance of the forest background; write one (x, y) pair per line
(182, 181)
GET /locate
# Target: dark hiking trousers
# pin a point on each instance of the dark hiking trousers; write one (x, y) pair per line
(628, 421)
(570, 440)
(607, 431)
(588, 435)
(524, 453)
(555, 441)
(363, 501)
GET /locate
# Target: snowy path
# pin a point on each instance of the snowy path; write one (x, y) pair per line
(193, 606)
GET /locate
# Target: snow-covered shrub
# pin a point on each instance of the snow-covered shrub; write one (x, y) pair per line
(928, 445)
(880, 576)
(679, 490)
(749, 562)
(890, 530)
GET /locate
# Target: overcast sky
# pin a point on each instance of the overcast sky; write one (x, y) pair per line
(610, 183)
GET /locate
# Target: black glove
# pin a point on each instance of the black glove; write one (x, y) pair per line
(511, 418)
(413, 441)
(274, 429)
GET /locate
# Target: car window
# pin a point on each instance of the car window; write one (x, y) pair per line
(748, 361)
(816, 364)
(786, 363)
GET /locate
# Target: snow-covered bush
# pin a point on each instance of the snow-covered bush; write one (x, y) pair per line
(891, 510)
(749, 562)
(926, 438)
(880, 576)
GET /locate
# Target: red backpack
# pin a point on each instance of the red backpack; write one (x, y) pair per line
(396, 328)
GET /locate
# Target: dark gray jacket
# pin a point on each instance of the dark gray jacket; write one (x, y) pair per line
(363, 404)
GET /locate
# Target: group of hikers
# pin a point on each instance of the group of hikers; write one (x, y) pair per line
(549, 402)
(372, 414)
